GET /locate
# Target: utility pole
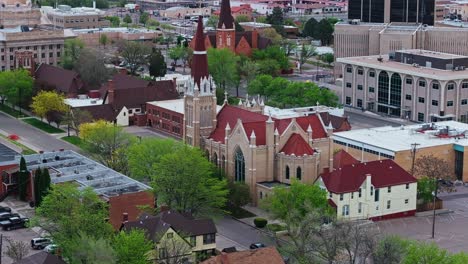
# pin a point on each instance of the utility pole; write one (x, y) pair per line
(1, 247)
(434, 207)
(413, 156)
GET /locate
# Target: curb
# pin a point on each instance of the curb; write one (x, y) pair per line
(268, 233)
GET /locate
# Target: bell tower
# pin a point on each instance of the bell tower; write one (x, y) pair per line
(226, 31)
(200, 95)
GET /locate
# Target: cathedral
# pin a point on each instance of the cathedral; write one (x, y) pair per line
(249, 145)
(226, 36)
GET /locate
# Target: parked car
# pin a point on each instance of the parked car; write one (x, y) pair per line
(257, 245)
(40, 242)
(14, 223)
(6, 215)
(51, 248)
(5, 209)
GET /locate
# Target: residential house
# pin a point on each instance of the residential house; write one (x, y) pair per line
(267, 255)
(176, 235)
(68, 82)
(41, 257)
(374, 190)
(241, 10)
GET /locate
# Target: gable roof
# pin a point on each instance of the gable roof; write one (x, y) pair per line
(262, 42)
(343, 158)
(297, 145)
(349, 178)
(154, 226)
(100, 111)
(339, 123)
(267, 255)
(41, 258)
(54, 76)
(252, 121)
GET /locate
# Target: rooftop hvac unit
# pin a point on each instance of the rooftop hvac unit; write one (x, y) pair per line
(93, 101)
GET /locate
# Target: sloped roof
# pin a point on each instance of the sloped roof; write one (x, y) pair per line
(262, 42)
(60, 78)
(225, 16)
(154, 226)
(343, 158)
(267, 255)
(349, 178)
(339, 123)
(252, 121)
(41, 258)
(138, 96)
(200, 59)
(101, 111)
(297, 145)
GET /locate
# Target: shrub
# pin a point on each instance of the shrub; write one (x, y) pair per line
(276, 227)
(260, 222)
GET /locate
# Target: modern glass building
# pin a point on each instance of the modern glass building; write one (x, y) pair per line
(367, 10)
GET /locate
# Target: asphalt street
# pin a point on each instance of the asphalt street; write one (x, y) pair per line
(32, 136)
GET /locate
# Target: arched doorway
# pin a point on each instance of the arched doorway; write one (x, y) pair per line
(239, 165)
(214, 159)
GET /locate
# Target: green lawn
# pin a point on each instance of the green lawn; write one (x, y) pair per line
(11, 111)
(26, 150)
(73, 140)
(42, 126)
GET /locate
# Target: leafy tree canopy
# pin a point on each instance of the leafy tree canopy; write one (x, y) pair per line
(132, 247)
(16, 86)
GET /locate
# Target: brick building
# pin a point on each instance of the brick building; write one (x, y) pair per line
(79, 17)
(241, 10)
(166, 117)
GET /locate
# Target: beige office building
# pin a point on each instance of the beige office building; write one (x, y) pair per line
(418, 85)
(14, 13)
(77, 18)
(364, 39)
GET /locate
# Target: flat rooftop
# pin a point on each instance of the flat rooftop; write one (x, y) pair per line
(400, 138)
(76, 102)
(432, 54)
(176, 105)
(301, 111)
(394, 66)
(69, 166)
(118, 29)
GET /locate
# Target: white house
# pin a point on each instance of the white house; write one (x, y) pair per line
(373, 190)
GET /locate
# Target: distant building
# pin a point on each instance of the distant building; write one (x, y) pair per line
(374, 190)
(91, 37)
(242, 10)
(122, 193)
(14, 13)
(52, 78)
(417, 85)
(181, 12)
(177, 235)
(446, 140)
(267, 255)
(79, 17)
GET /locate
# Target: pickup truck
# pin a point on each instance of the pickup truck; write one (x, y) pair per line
(6, 215)
(14, 223)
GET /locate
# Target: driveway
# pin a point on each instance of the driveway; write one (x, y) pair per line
(31, 136)
(450, 229)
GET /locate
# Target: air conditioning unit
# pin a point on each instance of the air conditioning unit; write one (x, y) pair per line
(93, 101)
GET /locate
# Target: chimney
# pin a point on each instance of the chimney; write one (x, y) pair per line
(125, 217)
(174, 83)
(110, 92)
(254, 39)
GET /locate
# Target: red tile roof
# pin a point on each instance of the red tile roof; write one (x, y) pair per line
(297, 145)
(257, 122)
(343, 158)
(268, 255)
(349, 178)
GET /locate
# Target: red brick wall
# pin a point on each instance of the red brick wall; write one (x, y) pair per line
(128, 203)
(166, 121)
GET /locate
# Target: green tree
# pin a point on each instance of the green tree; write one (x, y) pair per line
(276, 19)
(283, 201)
(176, 53)
(143, 156)
(242, 18)
(328, 58)
(305, 53)
(72, 50)
(185, 182)
(272, 53)
(257, 85)
(47, 101)
(107, 143)
(310, 28)
(390, 250)
(41, 185)
(16, 86)
(103, 40)
(239, 194)
(269, 67)
(325, 31)
(70, 214)
(132, 247)
(426, 253)
(144, 17)
(91, 67)
(23, 181)
(288, 46)
(127, 19)
(271, 34)
(89, 249)
(426, 187)
(212, 21)
(114, 20)
(222, 64)
(135, 54)
(247, 70)
(157, 64)
(75, 117)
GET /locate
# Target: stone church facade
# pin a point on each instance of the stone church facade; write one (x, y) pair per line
(248, 145)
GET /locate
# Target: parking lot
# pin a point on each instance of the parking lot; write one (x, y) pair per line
(25, 234)
(451, 230)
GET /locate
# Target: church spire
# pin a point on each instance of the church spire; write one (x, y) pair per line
(200, 60)
(226, 21)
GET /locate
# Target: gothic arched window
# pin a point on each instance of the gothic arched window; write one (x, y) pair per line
(299, 173)
(239, 166)
(287, 172)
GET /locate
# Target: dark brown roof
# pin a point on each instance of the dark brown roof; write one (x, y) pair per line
(262, 42)
(225, 17)
(124, 81)
(100, 111)
(200, 60)
(155, 226)
(41, 258)
(268, 255)
(339, 123)
(63, 80)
